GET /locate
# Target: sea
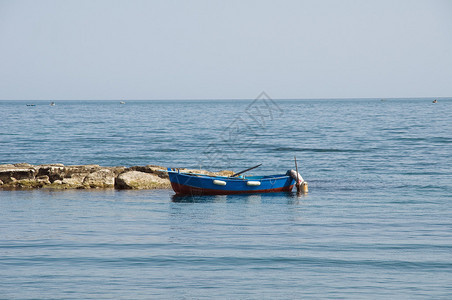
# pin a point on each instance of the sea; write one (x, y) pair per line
(375, 224)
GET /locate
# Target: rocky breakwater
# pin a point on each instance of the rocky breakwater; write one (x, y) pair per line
(59, 176)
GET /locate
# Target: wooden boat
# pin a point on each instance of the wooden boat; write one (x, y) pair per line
(201, 184)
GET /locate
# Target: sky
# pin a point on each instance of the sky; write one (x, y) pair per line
(96, 49)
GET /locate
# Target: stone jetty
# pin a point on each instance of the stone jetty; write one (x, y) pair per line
(59, 176)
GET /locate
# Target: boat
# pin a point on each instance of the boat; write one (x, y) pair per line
(122, 102)
(52, 103)
(435, 101)
(202, 184)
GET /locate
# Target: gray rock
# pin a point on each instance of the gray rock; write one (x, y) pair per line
(72, 175)
(27, 183)
(152, 169)
(23, 165)
(54, 172)
(6, 166)
(76, 182)
(103, 178)
(43, 179)
(116, 170)
(68, 171)
(8, 174)
(140, 180)
(59, 176)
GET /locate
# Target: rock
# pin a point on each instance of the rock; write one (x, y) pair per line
(75, 179)
(152, 169)
(103, 178)
(63, 185)
(27, 183)
(8, 175)
(59, 176)
(140, 180)
(43, 179)
(71, 175)
(23, 165)
(54, 172)
(75, 183)
(79, 171)
(117, 170)
(6, 166)
(159, 171)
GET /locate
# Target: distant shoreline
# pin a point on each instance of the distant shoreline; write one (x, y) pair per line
(442, 98)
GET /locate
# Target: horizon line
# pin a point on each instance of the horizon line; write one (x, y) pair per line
(234, 99)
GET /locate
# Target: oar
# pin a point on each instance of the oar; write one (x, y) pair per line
(296, 168)
(241, 172)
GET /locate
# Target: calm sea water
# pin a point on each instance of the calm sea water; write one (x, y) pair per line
(376, 223)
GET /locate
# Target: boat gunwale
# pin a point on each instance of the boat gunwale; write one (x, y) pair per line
(265, 177)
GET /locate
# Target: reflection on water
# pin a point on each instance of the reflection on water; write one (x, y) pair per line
(198, 199)
(289, 197)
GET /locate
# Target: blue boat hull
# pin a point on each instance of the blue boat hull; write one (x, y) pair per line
(198, 184)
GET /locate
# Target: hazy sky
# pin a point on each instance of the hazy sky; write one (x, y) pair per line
(224, 49)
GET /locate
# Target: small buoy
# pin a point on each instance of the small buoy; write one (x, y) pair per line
(219, 182)
(304, 187)
(253, 183)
